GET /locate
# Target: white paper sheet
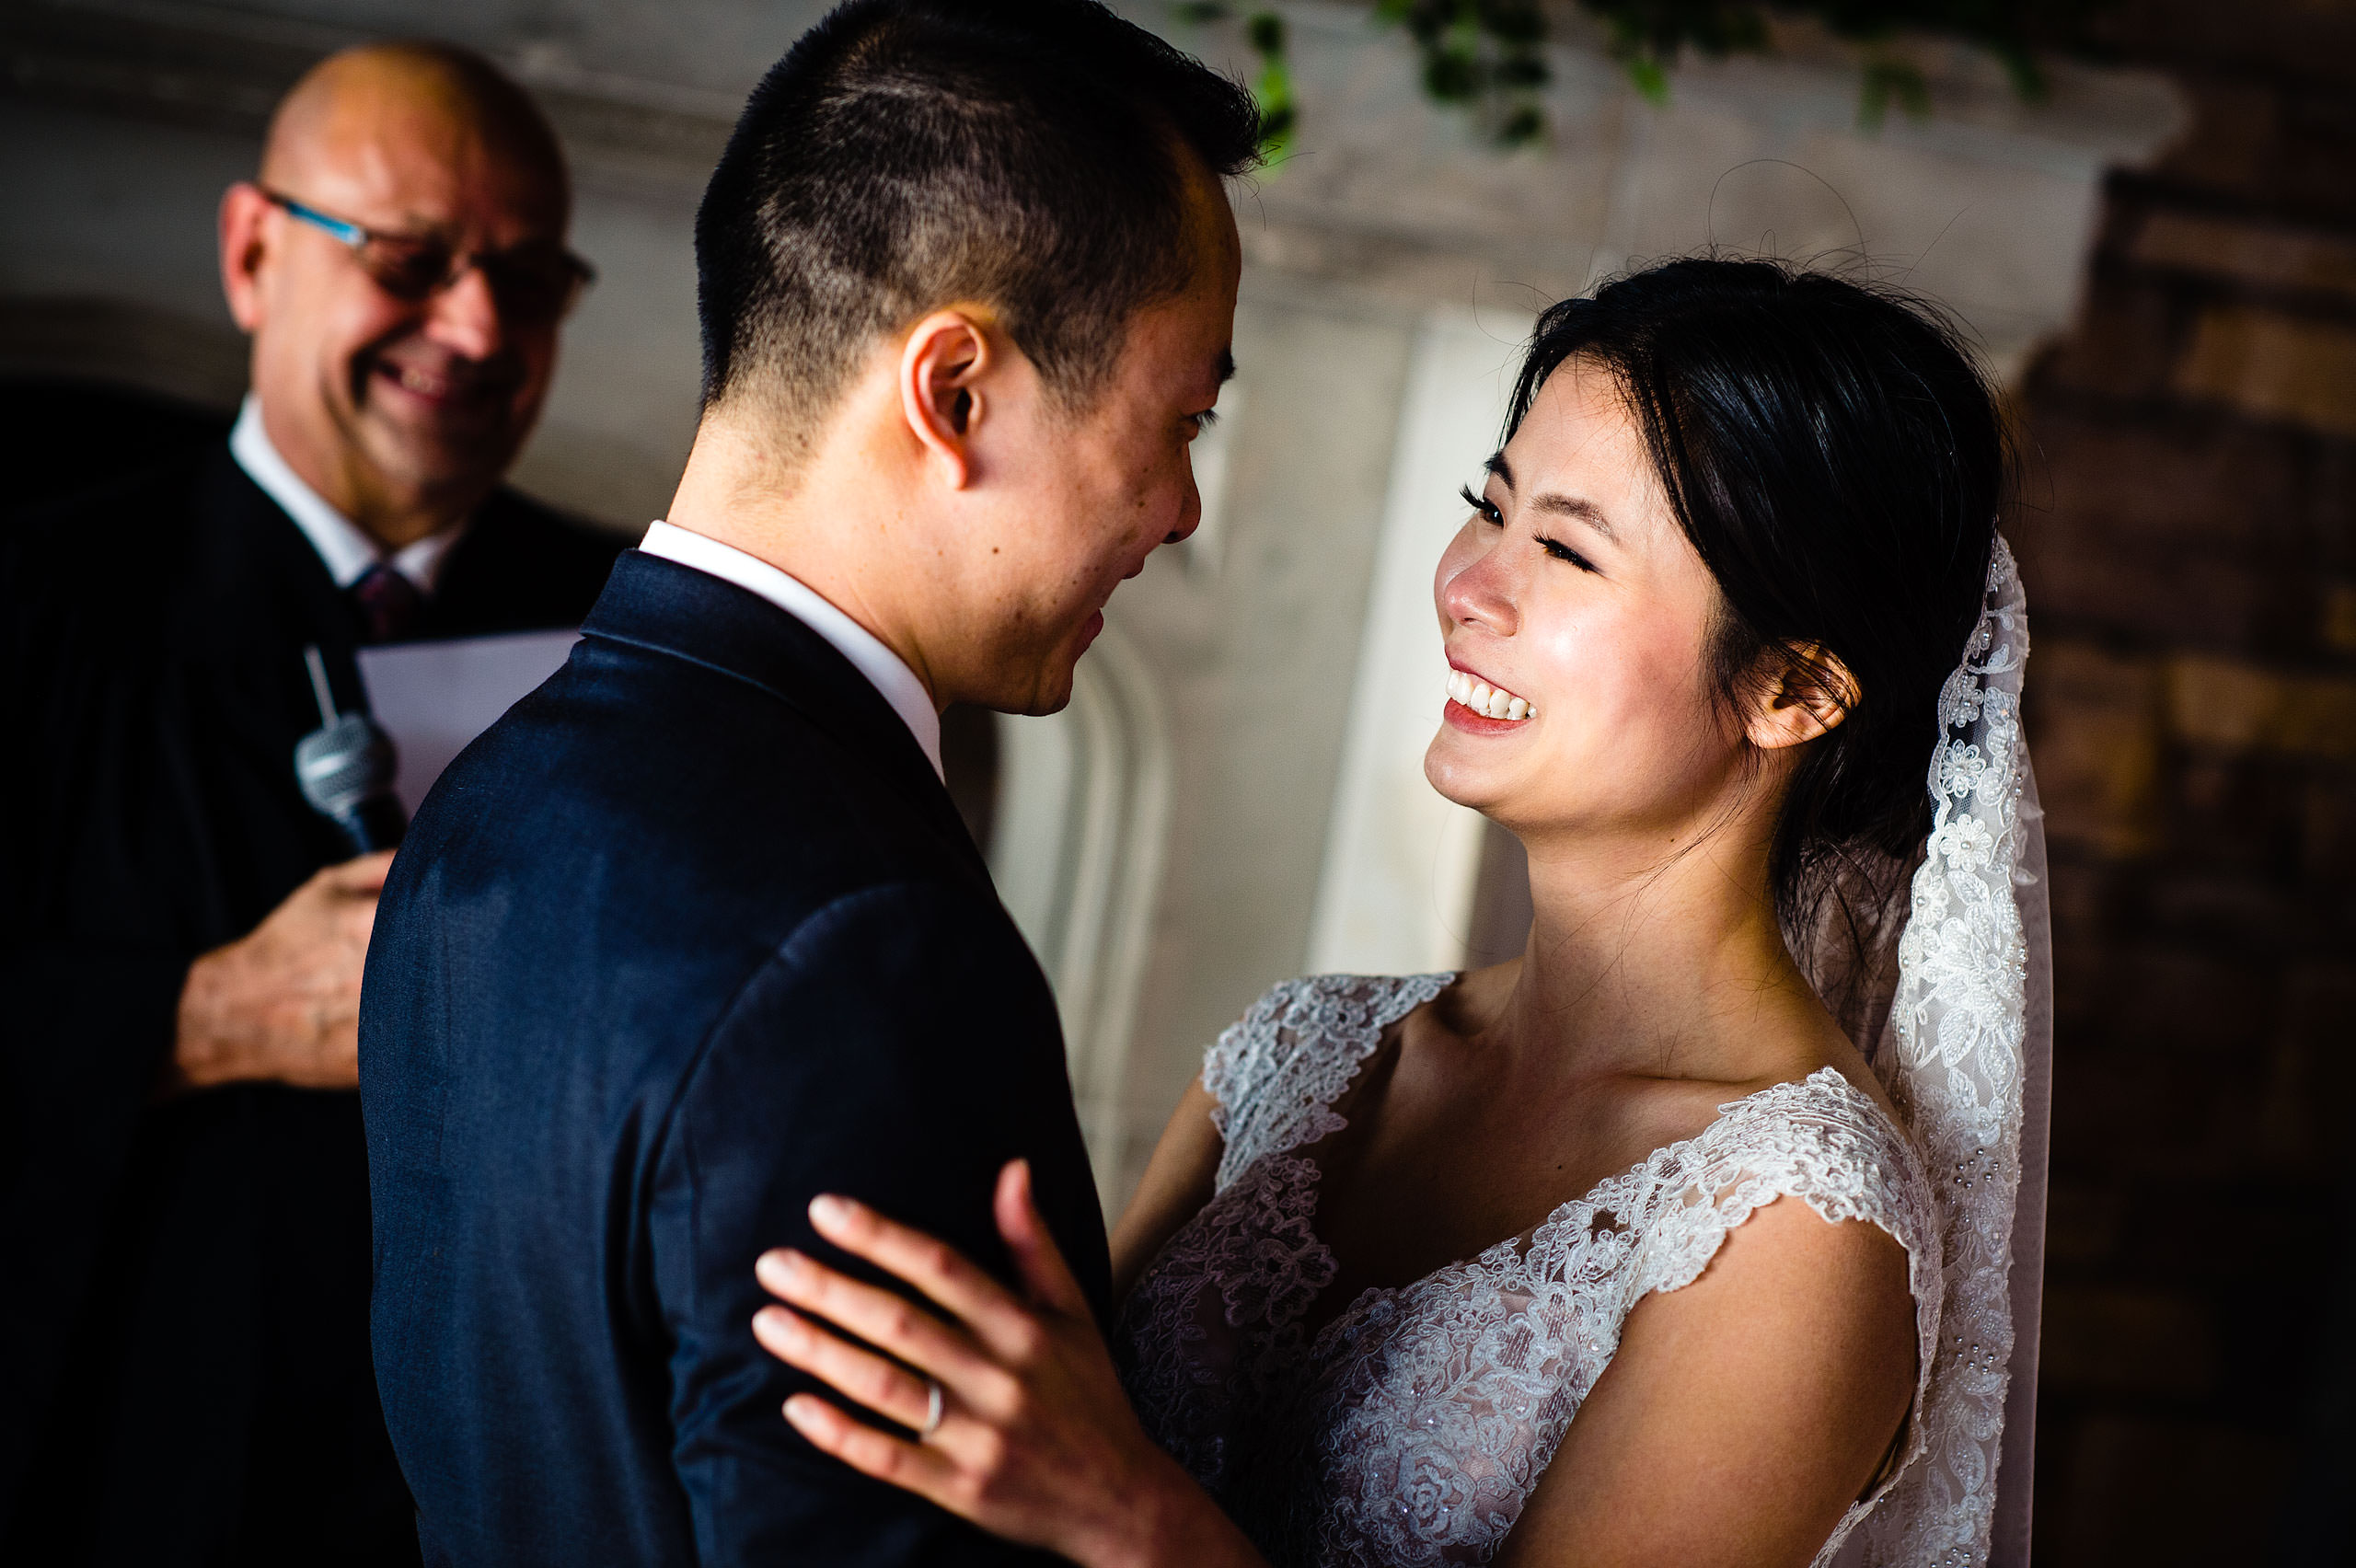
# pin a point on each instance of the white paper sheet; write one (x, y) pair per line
(434, 697)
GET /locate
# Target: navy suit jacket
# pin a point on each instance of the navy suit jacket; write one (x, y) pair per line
(691, 935)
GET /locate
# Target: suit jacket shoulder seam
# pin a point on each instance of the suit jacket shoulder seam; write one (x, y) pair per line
(667, 1127)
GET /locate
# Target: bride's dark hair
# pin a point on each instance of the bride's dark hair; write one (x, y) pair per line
(1837, 459)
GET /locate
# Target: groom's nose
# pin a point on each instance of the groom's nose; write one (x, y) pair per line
(1190, 509)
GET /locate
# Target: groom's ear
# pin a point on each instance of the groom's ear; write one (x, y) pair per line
(944, 363)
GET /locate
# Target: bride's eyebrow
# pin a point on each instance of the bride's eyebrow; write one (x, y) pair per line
(1576, 508)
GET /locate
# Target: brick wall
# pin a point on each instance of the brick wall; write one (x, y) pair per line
(2191, 553)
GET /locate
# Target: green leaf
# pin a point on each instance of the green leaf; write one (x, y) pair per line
(1450, 77)
(1650, 79)
(1529, 71)
(1887, 78)
(1278, 116)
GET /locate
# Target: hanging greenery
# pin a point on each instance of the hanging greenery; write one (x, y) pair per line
(1488, 56)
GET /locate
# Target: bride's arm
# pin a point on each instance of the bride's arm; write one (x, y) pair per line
(1177, 1184)
(1742, 1414)
(1031, 1437)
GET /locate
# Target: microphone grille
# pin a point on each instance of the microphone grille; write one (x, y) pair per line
(344, 763)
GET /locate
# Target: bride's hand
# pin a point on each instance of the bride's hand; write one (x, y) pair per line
(1031, 1436)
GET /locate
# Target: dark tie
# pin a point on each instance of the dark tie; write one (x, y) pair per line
(389, 603)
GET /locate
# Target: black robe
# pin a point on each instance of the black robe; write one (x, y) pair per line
(184, 1368)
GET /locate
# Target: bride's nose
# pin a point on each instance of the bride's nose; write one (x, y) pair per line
(1478, 589)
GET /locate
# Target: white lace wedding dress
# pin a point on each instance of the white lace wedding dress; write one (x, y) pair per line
(1411, 1428)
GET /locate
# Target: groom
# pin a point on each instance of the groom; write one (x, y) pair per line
(695, 934)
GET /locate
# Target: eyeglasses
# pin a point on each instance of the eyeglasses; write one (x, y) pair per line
(534, 283)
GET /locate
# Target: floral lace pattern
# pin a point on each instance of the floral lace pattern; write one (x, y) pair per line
(1412, 1428)
(1953, 1060)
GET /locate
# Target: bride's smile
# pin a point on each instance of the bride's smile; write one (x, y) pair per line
(1481, 702)
(1572, 589)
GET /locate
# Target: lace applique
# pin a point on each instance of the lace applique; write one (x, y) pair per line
(1414, 1426)
(1273, 1094)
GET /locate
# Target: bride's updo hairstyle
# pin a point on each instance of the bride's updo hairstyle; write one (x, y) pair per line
(1838, 461)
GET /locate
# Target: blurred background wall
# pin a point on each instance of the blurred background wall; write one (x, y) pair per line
(2158, 260)
(2190, 558)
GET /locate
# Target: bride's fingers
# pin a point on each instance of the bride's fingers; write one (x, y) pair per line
(1036, 1257)
(937, 1269)
(882, 1386)
(889, 1322)
(910, 1465)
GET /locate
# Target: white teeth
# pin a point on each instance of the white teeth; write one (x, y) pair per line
(1490, 701)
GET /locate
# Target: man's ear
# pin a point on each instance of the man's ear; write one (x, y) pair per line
(1803, 690)
(245, 215)
(945, 360)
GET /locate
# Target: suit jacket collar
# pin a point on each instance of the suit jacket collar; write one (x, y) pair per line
(665, 607)
(252, 574)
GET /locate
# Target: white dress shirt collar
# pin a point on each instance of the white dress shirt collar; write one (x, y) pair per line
(884, 669)
(346, 550)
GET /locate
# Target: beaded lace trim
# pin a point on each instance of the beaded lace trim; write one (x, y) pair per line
(1412, 1428)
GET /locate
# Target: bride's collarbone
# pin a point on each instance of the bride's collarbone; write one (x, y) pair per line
(1416, 1180)
(1437, 1161)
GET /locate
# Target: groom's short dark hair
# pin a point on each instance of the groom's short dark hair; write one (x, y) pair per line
(907, 154)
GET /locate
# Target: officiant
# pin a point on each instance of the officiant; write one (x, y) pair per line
(184, 1370)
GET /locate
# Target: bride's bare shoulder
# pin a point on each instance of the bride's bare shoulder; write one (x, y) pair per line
(1179, 1180)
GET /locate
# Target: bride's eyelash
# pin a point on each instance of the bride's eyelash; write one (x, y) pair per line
(1562, 551)
(1481, 505)
(1554, 548)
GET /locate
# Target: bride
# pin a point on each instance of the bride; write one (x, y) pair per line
(1636, 1249)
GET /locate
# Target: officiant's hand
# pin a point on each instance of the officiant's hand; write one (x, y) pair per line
(283, 1003)
(1031, 1436)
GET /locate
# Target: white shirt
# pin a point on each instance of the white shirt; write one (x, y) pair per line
(347, 551)
(884, 669)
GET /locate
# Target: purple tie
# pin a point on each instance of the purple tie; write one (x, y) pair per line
(390, 604)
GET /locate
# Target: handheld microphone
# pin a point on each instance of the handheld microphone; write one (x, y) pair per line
(345, 767)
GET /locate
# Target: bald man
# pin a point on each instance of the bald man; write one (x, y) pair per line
(184, 1370)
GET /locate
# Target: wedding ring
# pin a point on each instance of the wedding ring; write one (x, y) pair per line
(934, 1402)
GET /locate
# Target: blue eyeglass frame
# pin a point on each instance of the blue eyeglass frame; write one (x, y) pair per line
(355, 236)
(351, 234)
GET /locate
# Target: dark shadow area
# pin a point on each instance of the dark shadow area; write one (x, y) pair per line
(1501, 908)
(969, 759)
(64, 435)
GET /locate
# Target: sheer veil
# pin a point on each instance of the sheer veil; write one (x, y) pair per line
(1945, 980)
